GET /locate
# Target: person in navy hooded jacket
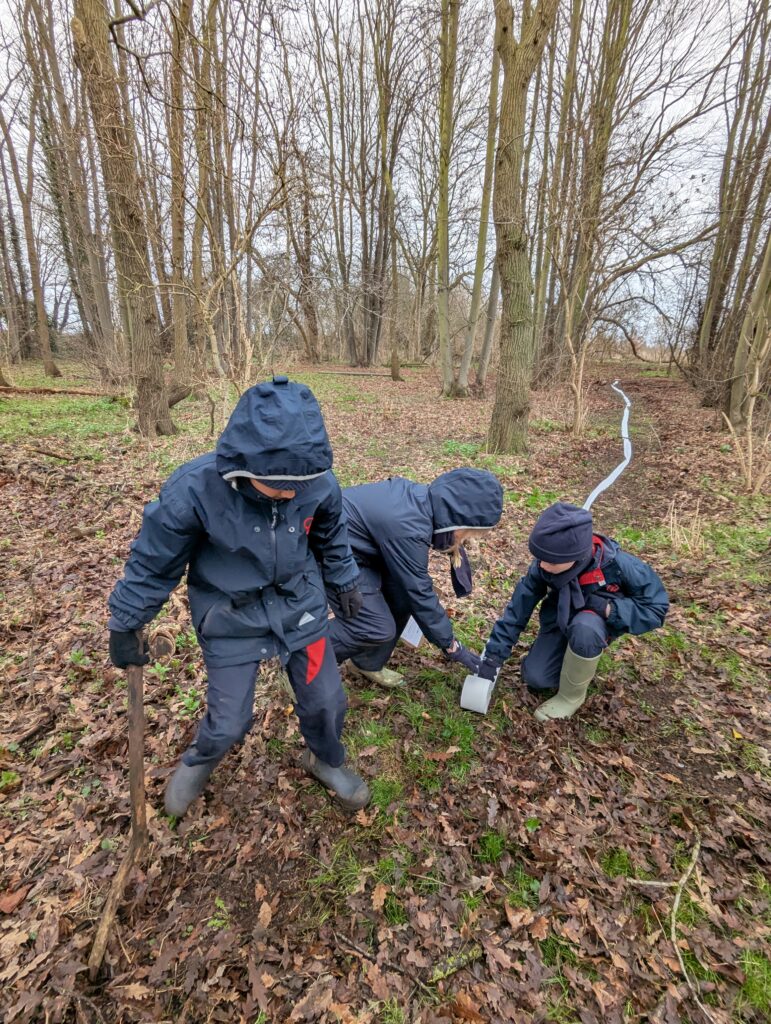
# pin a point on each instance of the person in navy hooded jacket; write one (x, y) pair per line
(592, 593)
(392, 526)
(256, 524)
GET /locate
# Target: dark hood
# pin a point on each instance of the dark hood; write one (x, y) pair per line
(465, 498)
(276, 431)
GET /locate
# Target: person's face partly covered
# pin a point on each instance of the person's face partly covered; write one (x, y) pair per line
(555, 568)
(272, 492)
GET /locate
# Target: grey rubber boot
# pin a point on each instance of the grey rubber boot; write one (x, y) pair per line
(576, 674)
(351, 791)
(187, 783)
(385, 677)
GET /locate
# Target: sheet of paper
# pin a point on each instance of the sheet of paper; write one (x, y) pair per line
(411, 634)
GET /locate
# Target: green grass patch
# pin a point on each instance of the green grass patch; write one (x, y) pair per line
(556, 951)
(754, 759)
(386, 792)
(8, 779)
(523, 888)
(393, 910)
(422, 771)
(336, 880)
(391, 1013)
(471, 630)
(490, 847)
(371, 734)
(617, 863)
(466, 449)
(68, 419)
(756, 989)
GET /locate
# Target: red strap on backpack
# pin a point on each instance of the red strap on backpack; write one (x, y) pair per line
(594, 576)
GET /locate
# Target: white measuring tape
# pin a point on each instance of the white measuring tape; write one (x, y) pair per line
(605, 484)
(477, 692)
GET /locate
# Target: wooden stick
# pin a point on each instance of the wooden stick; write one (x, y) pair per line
(139, 834)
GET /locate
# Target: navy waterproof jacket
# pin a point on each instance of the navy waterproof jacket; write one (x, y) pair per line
(253, 565)
(637, 598)
(391, 525)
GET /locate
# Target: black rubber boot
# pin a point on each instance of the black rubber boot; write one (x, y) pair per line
(187, 783)
(351, 791)
(542, 691)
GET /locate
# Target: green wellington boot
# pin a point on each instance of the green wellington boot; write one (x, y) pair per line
(385, 677)
(576, 674)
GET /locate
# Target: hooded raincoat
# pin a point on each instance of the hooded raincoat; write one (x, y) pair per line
(392, 526)
(256, 568)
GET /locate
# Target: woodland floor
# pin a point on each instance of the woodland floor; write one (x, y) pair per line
(496, 876)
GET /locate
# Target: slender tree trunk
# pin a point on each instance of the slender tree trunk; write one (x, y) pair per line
(179, 33)
(508, 425)
(484, 217)
(448, 52)
(25, 199)
(117, 148)
(491, 317)
(752, 349)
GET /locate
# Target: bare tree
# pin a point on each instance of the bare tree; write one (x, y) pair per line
(520, 58)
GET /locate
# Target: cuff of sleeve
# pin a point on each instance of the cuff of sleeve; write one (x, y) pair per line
(116, 625)
(497, 655)
(344, 588)
(613, 619)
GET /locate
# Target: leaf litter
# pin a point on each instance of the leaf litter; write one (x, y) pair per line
(505, 871)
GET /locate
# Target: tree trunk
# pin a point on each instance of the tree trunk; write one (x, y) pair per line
(492, 316)
(117, 149)
(752, 349)
(25, 198)
(180, 30)
(508, 425)
(484, 217)
(448, 52)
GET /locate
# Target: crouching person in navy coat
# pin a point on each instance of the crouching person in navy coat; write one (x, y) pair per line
(592, 593)
(392, 527)
(257, 525)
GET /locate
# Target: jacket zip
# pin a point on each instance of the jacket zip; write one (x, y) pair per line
(273, 541)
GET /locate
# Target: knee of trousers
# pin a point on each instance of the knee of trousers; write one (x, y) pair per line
(316, 702)
(587, 635)
(215, 738)
(537, 675)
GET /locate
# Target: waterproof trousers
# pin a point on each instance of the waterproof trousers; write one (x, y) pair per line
(587, 636)
(320, 703)
(369, 639)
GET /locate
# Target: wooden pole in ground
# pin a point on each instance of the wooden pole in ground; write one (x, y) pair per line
(139, 834)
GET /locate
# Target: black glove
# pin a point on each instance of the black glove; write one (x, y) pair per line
(489, 667)
(128, 649)
(598, 604)
(463, 656)
(351, 602)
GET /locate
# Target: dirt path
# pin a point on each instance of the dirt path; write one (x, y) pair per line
(497, 876)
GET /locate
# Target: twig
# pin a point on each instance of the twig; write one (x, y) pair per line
(652, 882)
(136, 728)
(344, 941)
(680, 888)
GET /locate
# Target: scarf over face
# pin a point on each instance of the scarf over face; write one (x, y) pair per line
(563, 533)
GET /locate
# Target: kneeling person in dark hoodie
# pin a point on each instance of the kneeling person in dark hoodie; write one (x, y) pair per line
(257, 523)
(592, 593)
(392, 526)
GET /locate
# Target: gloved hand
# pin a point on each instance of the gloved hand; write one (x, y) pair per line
(598, 604)
(489, 667)
(351, 602)
(463, 656)
(128, 648)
